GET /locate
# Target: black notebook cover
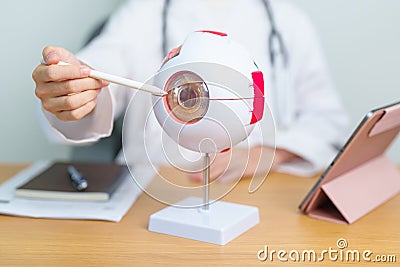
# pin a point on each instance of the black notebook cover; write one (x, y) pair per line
(55, 182)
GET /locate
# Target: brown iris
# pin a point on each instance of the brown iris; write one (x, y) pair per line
(188, 96)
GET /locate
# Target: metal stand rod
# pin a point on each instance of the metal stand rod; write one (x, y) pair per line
(206, 181)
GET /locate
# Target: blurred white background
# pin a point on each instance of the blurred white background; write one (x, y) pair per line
(360, 38)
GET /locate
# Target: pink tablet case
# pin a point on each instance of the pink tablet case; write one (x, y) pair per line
(361, 177)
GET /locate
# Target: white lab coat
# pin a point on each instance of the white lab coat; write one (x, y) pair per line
(311, 119)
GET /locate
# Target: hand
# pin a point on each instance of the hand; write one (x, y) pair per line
(230, 166)
(65, 91)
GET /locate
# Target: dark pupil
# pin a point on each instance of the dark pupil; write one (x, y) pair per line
(188, 95)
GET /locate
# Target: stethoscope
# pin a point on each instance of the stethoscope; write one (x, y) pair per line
(278, 55)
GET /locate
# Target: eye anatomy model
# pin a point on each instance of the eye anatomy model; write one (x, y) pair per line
(209, 109)
(214, 98)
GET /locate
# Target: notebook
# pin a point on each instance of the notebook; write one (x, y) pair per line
(55, 182)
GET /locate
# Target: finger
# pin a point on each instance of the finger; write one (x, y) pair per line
(56, 89)
(53, 73)
(77, 114)
(230, 177)
(52, 55)
(70, 102)
(218, 166)
(223, 168)
(217, 171)
(196, 176)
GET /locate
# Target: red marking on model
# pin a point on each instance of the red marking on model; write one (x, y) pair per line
(258, 103)
(214, 32)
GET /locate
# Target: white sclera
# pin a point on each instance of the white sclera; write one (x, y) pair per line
(226, 68)
(226, 123)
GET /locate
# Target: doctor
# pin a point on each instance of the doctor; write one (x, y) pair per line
(309, 117)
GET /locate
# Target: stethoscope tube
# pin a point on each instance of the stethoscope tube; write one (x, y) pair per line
(275, 40)
(164, 26)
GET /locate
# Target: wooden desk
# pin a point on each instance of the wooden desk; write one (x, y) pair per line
(43, 242)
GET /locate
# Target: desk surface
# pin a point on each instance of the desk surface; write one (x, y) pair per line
(44, 242)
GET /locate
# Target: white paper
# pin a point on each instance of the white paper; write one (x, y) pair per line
(112, 210)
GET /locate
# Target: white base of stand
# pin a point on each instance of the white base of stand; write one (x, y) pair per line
(219, 225)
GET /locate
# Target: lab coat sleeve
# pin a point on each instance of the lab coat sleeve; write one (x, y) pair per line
(96, 125)
(319, 123)
(107, 53)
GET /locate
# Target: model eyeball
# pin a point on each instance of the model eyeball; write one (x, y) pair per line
(214, 94)
(188, 97)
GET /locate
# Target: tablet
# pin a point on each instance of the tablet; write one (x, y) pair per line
(360, 177)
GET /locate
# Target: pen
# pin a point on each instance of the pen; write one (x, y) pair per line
(124, 82)
(77, 180)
